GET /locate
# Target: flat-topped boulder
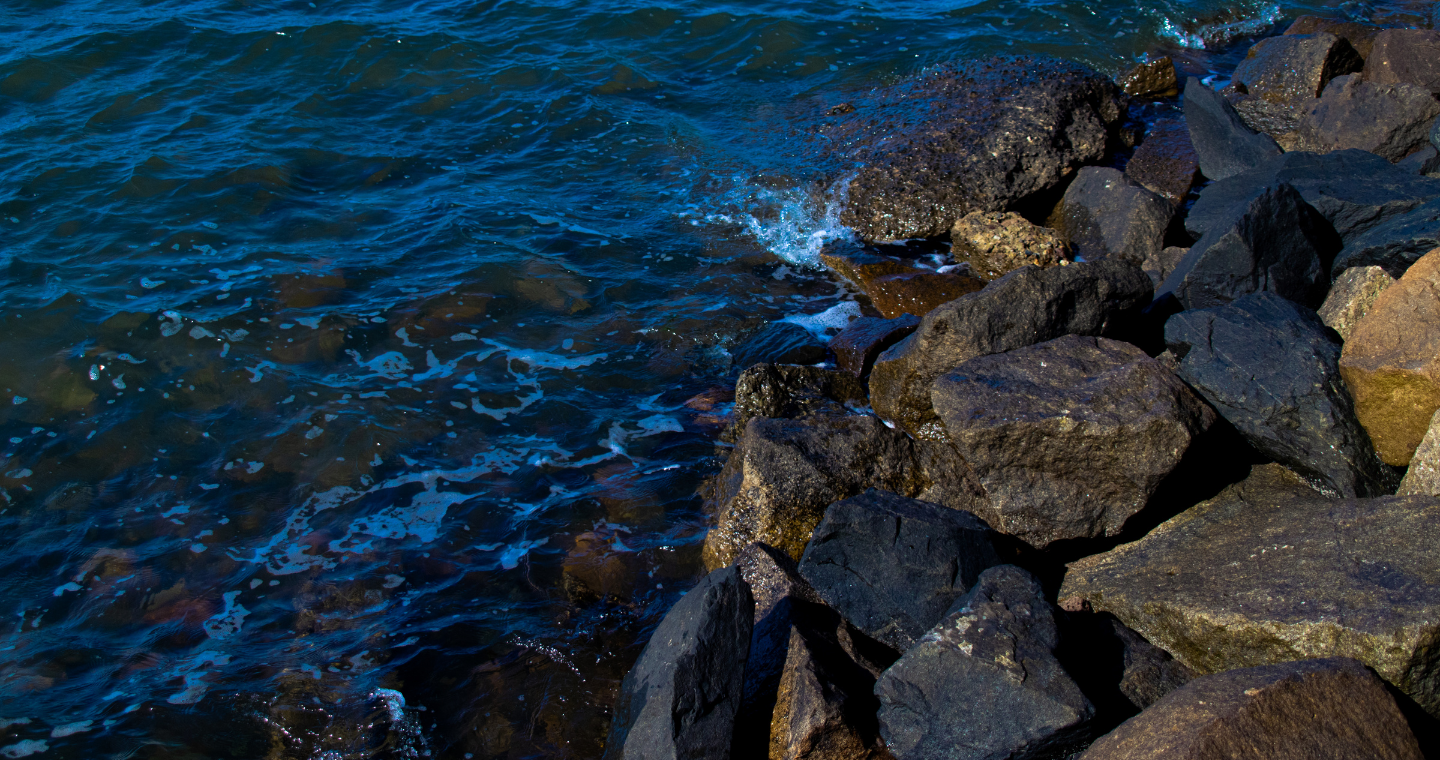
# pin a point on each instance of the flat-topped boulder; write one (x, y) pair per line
(1270, 571)
(918, 292)
(972, 137)
(1396, 243)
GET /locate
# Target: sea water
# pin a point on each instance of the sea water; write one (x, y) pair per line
(351, 349)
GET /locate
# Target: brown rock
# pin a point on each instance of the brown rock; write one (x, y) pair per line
(1360, 36)
(824, 707)
(1155, 79)
(994, 243)
(861, 268)
(1423, 476)
(1165, 163)
(1391, 363)
(856, 346)
(1409, 56)
(1160, 264)
(596, 569)
(1280, 75)
(918, 292)
(1351, 297)
(1297, 710)
(1390, 120)
(792, 391)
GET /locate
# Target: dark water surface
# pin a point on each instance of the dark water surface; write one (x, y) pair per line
(330, 329)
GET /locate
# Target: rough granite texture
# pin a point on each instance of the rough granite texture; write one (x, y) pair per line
(994, 243)
(1106, 213)
(793, 391)
(1351, 296)
(1423, 475)
(1269, 571)
(1406, 55)
(1389, 120)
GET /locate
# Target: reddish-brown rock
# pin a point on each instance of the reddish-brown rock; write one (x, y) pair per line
(856, 346)
(1165, 163)
(1155, 79)
(861, 268)
(1360, 36)
(918, 292)
(1409, 56)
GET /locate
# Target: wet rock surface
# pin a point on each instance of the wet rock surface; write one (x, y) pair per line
(1165, 162)
(1104, 213)
(1152, 79)
(1223, 142)
(892, 566)
(985, 682)
(1351, 297)
(1025, 307)
(1070, 437)
(794, 392)
(992, 132)
(1271, 368)
(779, 343)
(681, 697)
(994, 243)
(1281, 73)
(1360, 36)
(1389, 120)
(1270, 571)
(857, 346)
(918, 293)
(1332, 707)
(862, 268)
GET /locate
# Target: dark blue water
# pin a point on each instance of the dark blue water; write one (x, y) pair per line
(346, 346)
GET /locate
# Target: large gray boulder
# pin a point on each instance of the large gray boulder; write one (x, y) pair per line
(1390, 120)
(1395, 243)
(1027, 306)
(984, 684)
(1331, 707)
(1223, 142)
(1270, 571)
(1070, 437)
(892, 566)
(1272, 369)
(973, 137)
(680, 699)
(1104, 213)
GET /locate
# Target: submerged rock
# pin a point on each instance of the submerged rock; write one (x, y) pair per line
(1104, 214)
(892, 566)
(779, 343)
(994, 243)
(1351, 297)
(918, 292)
(857, 346)
(1165, 163)
(1223, 142)
(681, 697)
(976, 137)
(985, 683)
(1269, 571)
(1331, 707)
(1027, 306)
(1272, 370)
(1070, 437)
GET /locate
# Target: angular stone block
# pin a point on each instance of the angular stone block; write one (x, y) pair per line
(1104, 214)
(1351, 297)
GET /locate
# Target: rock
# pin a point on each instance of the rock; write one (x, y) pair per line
(784, 473)
(1027, 306)
(1391, 362)
(1165, 163)
(1160, 264)
(1149, 672)
(892, 566)
(856, 346)
(681, 697)
(1153, 79)
(1422, 478)
(1117, 668)
(1269, 571)
(825, 706)
(1270, 368)
(1266, 244)
(985, 682)
(1351, 189)
(1396, 243)
(780, 343)
(1406, 56)
(1360, 36)
(1331, 707)
(861, 268)
(918, 293)
(1282, 73)
(1222, 141)
(1351, 297)
(973, 137)
(1070, 437)
(793, 392)
(595, 569)
(1425, 160)
(995, 243)
(1104, 214)
(1389, 120)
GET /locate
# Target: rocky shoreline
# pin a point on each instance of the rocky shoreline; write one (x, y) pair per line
(1149, 468)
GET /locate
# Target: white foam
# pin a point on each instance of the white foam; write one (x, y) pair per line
(1255, 21)
(70, 729)
(792, 223)
(828, 322)
(228, 622)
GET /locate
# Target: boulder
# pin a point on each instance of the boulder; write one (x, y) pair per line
(1104, 214)
(856, 346)
(1351, 297)
(1027, 306)
(780, 343)
(1389, 120)
(1422, 477)
(1152, 79)
(1148, 672)
(794, 392)
(1265, 244)
(825, 705)
(918, 292)
(1332, 707)
(1351, 189)
(1270, 571)
(1271, 368)
(1160, 264)
(985, 683)
(1425, 160)
(1070, 437)
(1396, 243)
(994, 243)
(595, 569)
(1165, 163)
(972, 137)
(861, 268)
(1281, 73)
(780, 596)
(1116, 667)
(892, 566)
(1222, 141)
(1406, 56)
(784, 473)
(1360, 36)
(1391, 362)
(681, 697)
